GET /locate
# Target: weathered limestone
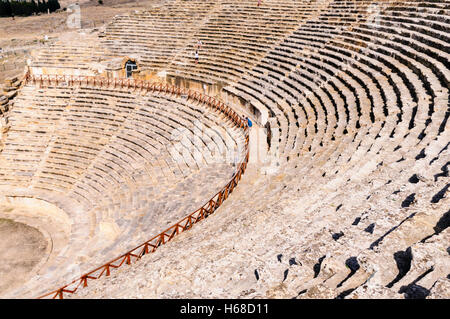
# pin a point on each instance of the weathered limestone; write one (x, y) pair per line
(359, 108)
(122, 166)
(355, 201)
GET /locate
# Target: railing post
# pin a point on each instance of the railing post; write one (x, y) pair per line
(189, 222)
(219, 199)
(108, 272)
(84, 280)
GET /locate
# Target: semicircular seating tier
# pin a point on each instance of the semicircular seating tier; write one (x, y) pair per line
(355, 200)
(123, 166)
(235, 34)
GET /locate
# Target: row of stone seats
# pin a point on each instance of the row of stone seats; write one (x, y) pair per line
(235, 34)
(434, 141)
(79, 50)
(308, 38)
(76, 50)
(150, 27)
(357, 108)
(383, 222)
(361, 118)
(123, 165)
(237, 37)
(147, 33)
(312, 265)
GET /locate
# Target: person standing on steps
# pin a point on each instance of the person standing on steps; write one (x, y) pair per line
(196, 56)
(199, 44)
(249, 123)
(259, 2)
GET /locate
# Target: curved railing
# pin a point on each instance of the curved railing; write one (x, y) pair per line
(186, 223)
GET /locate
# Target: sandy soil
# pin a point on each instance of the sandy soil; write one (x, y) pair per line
(21, 248)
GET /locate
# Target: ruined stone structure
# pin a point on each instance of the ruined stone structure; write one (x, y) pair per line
(352, 201)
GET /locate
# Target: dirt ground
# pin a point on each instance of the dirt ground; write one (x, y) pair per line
(92, 14)
(21, 248)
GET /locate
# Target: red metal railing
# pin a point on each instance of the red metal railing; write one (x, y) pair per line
(186, 223)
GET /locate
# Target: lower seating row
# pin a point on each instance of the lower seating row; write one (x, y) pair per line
(122, 165)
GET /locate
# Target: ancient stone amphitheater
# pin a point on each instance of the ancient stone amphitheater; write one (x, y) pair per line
(346, 190)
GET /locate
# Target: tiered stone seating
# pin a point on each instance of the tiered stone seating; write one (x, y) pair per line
(358, 105)
(235, 35)
(76, 53)
(359, 108)
(156, 36)
(122, 165)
